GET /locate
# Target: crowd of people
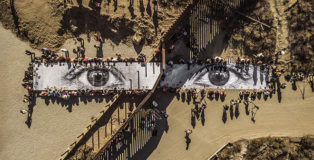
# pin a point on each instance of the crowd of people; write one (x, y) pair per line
(217, 63)
(66, 94)
(148, 122)
(63, 93)
(49, 57)
(28, 84)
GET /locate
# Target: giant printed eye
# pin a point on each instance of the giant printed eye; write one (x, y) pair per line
(229, 78)
(96, 76)
(218, 78)
(207, 76)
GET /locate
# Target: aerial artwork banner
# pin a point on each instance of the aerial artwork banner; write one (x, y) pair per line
(207, 76)
(118, 75)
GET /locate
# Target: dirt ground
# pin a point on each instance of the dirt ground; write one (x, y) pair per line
(48, 23)
(53, 127)
(292, 117)
(271, 148)
(52, 24)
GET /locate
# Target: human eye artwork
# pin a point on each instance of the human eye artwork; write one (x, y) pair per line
(96, 77)
(207, 76)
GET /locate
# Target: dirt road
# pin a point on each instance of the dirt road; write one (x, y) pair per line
(292, 117)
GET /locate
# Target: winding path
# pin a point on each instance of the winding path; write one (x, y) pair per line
(281, 24)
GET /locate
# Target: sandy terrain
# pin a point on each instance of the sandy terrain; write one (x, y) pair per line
(108, 48)
(48, 23)
(53, 127)
(292, 117)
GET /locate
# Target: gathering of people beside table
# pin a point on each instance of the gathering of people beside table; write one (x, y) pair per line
(28, 84)
(272, 82)
(65, 94)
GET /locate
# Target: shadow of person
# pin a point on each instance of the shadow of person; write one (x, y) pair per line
(188, 141)
(246, 108)
(189, 98)
(142, 8)
(255, 75)
(88, 21)
(294, 86)
(210, 97)
(69, 108)
(99, 50)
(31, 105)
(131, 10)
(265, 97)
(202, 96)
(253, 119)
(178, 96)
(155, 16)
(47, 101)
(253, 112)
(231, 112)
(222, 98)
(241, 97)
(216, 97)
(224, 116)
(261, 77)
(115, 5)
(193, 119)
(197, 114)
(28, 122)
(203, 117)
(279, 90)
(312, 85)
(149, 8)
(237, 112)
(165, 125)
(183, 97)
(259, 96)
(138, 47)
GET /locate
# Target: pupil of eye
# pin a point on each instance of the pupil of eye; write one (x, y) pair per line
(97, 77)
(218, 78)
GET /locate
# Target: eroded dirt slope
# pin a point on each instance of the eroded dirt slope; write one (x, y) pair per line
(48, 23)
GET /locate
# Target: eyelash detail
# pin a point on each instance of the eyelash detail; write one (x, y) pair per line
(206, 70)
(74, 73)
(238, 74)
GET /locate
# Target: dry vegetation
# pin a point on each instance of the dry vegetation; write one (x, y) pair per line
(271, 148)
(249, 37)
(301, 30)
